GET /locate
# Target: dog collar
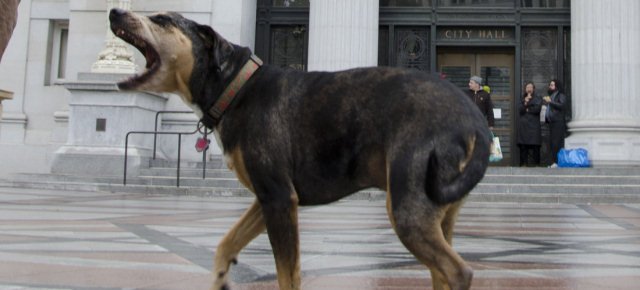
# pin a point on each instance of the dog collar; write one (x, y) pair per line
(213, 115)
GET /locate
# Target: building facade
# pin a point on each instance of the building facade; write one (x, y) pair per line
(507, 42)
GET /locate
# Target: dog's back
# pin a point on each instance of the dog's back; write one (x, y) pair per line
(337, 132)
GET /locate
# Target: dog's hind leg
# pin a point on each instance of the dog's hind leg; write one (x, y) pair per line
(419, 227)
(448, 222)
(250, 225)
(425, 227)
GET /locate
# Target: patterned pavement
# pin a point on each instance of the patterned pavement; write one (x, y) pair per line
(95, 240)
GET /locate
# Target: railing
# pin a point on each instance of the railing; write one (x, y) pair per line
(200, 128)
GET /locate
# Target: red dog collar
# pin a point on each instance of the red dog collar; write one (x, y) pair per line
(229, 93)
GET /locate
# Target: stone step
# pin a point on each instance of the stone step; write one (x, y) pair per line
(600, 171)
(214, 163)
(187, 172)
(542, 177)
(514, 174)
(489, 184)
(518, 181)
(167, 176)
(561, 179)
(557, 188)
(374, 195)
(26, 178)
(187, 181)
(230, 182)
(500, 183)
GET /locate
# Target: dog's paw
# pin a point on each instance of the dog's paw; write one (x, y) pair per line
(220, 282)
(224, 286)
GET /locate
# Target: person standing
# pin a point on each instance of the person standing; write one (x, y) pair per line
(529, 130)
(482, 99)
(556, 103)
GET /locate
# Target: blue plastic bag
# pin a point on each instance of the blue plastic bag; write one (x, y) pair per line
(578, 157)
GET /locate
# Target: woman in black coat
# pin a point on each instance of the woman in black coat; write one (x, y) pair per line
(529, 130)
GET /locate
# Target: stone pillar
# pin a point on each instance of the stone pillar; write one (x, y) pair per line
(116, 57)
(343, 34)
(605, 38)
(235, 21)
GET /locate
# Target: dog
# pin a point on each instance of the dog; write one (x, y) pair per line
(308, 138)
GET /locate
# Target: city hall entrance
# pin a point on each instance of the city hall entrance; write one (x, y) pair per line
(496, 67)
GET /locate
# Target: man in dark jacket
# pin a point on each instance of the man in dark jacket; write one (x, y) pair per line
(556, 103)
(481, 98)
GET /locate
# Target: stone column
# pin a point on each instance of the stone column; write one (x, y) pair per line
(235, 21)
(343, 34)
(605, 41)
(116, 57)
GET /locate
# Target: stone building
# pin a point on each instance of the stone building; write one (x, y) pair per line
(62, 62)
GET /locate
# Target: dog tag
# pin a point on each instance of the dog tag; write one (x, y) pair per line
(202, 144)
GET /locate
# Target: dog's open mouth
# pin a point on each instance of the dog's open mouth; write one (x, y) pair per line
(150, 54)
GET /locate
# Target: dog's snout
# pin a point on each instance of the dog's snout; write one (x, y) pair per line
(116, 13)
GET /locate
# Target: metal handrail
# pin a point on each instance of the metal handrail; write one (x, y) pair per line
(155, 127)
(155, 134)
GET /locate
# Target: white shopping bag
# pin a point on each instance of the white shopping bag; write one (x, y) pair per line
(496, 150)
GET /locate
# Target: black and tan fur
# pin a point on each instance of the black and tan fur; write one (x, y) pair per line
(296, 138)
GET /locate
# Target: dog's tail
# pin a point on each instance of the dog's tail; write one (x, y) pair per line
(445, 184)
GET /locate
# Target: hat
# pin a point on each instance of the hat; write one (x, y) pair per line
(476, 79)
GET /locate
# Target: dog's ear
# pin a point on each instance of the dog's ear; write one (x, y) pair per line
(220, 48)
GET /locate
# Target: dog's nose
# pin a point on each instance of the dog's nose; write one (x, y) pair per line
(116, 13)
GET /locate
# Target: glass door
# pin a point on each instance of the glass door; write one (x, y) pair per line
(496, 70)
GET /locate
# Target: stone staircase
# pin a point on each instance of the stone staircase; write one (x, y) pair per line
(589, 185)
(500, 184)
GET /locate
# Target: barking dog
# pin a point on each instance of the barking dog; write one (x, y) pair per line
(295, 138)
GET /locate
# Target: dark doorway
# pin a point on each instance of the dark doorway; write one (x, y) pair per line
(496, 67)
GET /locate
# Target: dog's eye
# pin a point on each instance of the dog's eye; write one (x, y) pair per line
(161, 19)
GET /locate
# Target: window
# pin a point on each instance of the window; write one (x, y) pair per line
(405, 3)
(546, 3)
(412, 47)
(289, 46)
(539, 56)
(282, 32)
(291, 3)
(477, 3)
(57, 53)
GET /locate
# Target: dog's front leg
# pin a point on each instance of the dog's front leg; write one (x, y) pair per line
(281, 217)
(250, 225)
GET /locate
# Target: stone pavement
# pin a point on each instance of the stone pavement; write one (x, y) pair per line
(52, 239)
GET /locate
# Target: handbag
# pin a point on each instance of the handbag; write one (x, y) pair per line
(543, 114)
(496, 150)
